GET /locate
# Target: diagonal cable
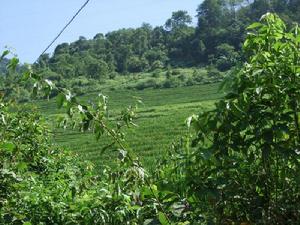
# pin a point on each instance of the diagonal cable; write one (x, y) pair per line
(62, 30)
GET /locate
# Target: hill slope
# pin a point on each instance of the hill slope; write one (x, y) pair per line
(160, 120)
(216, 40)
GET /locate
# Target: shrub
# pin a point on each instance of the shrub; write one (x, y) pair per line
(79, 81)
(112, 75)
(227, 57)
(190, 82)
(182, 77)
(53, 76)
(168, 73)
(172, 82)
(242, 166)
(78, 91)
(150, 83)
(136, 64)
(157, 65)
(213, 73)
(155, 74)
(176, 72)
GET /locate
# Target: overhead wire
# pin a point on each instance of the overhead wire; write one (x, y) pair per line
(63, 29)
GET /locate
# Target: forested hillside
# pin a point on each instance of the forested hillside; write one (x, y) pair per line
(216, 40)
(158, 57)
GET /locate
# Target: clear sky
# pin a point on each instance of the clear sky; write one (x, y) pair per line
(28, 26)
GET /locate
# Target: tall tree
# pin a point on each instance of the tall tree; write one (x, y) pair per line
(210, 29)
(179, 19)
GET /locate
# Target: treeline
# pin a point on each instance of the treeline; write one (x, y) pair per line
(215, 40)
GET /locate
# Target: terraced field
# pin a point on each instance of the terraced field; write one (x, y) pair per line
(161, 121)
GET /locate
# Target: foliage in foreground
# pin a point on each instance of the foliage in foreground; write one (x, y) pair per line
(245, 162)
(241, 167)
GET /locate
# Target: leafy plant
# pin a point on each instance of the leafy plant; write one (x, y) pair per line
(244, 164)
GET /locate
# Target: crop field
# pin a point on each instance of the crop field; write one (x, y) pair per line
(160, 119)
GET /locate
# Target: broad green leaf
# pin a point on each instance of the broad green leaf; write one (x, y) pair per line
(35, 76)
(162, 218)
(254, 25)
(26, 75)
(106, 147)
(13, 63)
(60, 98)
(5, 53)
(27, 223)
(99, 131)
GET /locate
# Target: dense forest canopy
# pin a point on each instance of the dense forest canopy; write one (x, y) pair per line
(215, 40)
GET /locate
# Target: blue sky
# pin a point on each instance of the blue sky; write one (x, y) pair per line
(28, 26)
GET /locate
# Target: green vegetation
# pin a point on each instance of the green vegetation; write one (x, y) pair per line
(3, 64)
(128, 54)
(216, 40)
(160, 119)
(245, 162)
(237, 164)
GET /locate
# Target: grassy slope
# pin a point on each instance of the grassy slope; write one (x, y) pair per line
(161, 120)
